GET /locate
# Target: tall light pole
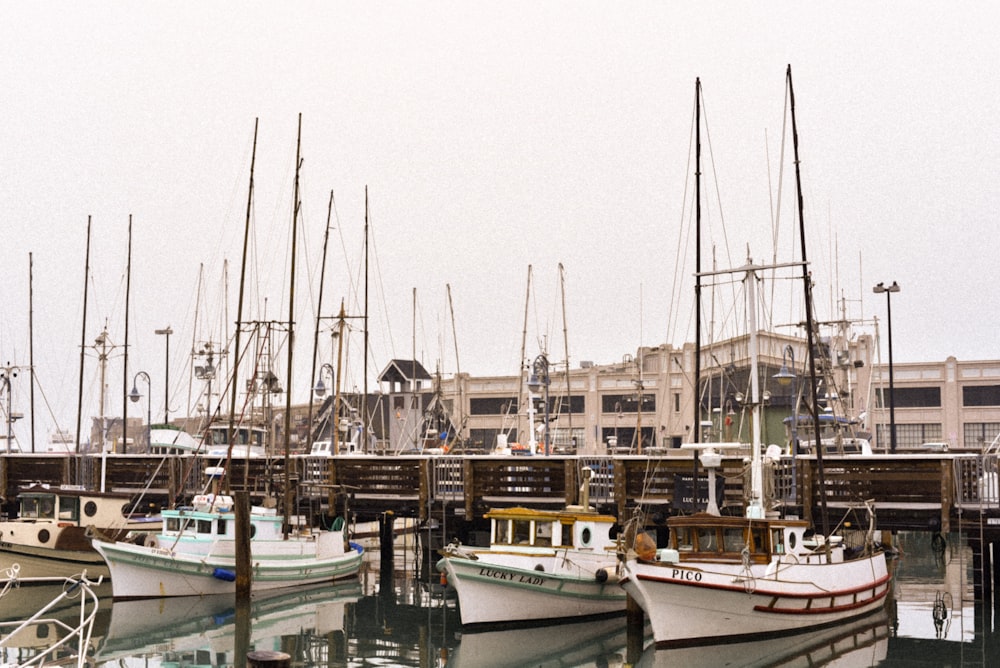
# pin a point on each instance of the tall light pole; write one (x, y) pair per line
(888, 290)
(134, 396)
(166, 375)
(787, 376)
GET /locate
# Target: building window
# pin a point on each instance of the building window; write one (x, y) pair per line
(911, 397)
(627, 403)
(979, 435)
(908, 435)
(677, 402)
(493, 406)
(981, 395)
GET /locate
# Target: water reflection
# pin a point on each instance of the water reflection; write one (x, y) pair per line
(931, 620)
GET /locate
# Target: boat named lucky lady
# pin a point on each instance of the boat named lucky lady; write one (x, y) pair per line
(57, 522)
(541, 565)
(195, 553)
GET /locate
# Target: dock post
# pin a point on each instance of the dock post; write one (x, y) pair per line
(244, 576)
(387, 564)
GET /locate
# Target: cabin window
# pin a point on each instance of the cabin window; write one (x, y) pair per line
(221, 527)
(47, 507)
(733, 538)
(683, 539)
(173, 524)
(522, 532)
(567, 534)
(69, 508)
(707, 540)
(501, 530)
(29, 507)
(758, 540)
(204, 526)
(778, 541)
(543, 533)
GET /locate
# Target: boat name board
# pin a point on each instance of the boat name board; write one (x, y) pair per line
(513, 577)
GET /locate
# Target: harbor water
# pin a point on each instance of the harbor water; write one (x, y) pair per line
(932, 620)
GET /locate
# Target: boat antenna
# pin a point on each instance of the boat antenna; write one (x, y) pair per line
(807, 285)
(128, 292)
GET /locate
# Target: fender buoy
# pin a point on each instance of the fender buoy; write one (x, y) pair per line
(601, 575)
(223, 574)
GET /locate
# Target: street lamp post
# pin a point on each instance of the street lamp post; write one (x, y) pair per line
(888, 290)
(539, 380)
(166, 375)
(787, 376)
(134, 396)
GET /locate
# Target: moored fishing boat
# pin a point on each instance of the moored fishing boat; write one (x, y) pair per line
(195, 553)
(737, 578)
(541, 565)
(57, 522)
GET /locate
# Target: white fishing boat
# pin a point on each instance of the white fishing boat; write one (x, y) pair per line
(541, 565)
(744, 577)
(195, 553)
(57, 522)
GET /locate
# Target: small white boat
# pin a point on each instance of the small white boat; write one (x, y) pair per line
(195, 553)
(57, 522)
(541, 565)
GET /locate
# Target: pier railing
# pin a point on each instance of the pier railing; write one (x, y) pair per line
(910, 491)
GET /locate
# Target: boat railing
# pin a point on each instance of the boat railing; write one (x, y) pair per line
(977, 480)
(75, 641)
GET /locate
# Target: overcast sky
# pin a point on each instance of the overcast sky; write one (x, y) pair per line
(491, 136)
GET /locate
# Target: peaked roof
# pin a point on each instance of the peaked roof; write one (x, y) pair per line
(400, 371)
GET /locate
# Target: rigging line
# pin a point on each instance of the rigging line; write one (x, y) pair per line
(683, 240)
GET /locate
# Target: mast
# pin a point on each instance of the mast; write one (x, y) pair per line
(128, 293)
(83, 337)
(569, 395)
(319, 311)
(364, 365)
(697, 266)
(239, 310)
(458, 367)
(31, 344)
(520, 385)
(286, 529)
(807, 285)
(755, 508)
(413, 372)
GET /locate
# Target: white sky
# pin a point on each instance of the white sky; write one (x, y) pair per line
(491, 136)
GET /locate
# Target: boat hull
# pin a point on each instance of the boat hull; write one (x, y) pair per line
(706, 603)
(533, 588)
(140, 571)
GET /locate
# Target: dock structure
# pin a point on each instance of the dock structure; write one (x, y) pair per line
(928, 492)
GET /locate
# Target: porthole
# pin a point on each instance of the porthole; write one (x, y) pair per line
(791, 540)
(43, 536)
(90, 509)
(585, 537)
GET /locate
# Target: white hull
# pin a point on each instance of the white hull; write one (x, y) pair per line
(703, 602)
(139, 571)
(509, 588)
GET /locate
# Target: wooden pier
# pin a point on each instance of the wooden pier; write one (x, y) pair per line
(937, 493)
